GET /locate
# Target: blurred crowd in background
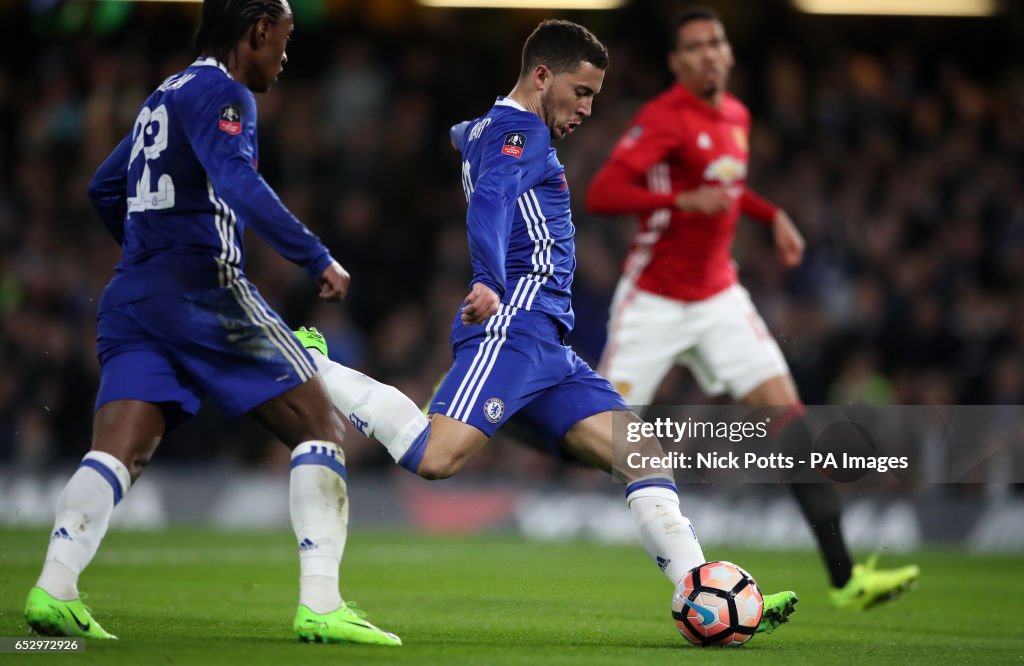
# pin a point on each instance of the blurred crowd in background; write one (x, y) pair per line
(896, 145)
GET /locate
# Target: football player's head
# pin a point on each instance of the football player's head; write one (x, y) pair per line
(249, 36)
(700, 55)
(564, 63)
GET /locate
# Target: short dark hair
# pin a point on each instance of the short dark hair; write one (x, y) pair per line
(687, 15)
(223, 22)
(562, 46)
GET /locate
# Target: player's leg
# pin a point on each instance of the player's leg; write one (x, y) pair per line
(739, 353)
(497, 367)
(854, 586)
(450, 444)
(435, 447)
(651, 494)
(818, 502)
(241, 353)
(142, 394)
(304, 419)
(667, 536)
(584, 412)
(645, 335)
(125, 435)
(377, 410)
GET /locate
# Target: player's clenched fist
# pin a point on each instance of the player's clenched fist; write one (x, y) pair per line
(481, 303)
(334, 282)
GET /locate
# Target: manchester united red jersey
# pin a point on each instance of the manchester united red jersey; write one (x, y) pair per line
(678, 142)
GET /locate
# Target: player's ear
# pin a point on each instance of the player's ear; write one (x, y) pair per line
(541, 76)
(258, 34)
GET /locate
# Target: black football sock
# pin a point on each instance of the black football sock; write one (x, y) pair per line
(819, 503)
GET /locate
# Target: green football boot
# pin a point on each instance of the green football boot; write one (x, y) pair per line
(869, 587)
(777, 609)
(346, 625)
(312, 339)
(52, 617)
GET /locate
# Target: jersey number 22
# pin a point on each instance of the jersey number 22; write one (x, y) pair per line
(150, 127)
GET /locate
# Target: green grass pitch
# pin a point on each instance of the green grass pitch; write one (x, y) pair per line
(202, 597)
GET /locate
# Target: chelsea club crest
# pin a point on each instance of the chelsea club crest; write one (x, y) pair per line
(494, 409)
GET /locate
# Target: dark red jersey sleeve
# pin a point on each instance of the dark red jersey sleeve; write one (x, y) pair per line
(616, 190)
(755, 206)
(621, 186)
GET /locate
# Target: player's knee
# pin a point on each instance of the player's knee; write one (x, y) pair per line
(434, 470)
(439, 465)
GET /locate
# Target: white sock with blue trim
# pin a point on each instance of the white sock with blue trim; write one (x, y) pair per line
(377, 410)
(318, 503)
(82, 516)
(666, 534)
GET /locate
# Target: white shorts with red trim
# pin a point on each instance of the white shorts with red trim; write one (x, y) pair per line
(722, 340)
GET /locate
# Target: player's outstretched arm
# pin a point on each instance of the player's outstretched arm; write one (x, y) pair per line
(621, 186)
(618, 189)
(228, 157)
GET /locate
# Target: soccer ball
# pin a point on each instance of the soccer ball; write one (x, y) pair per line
(717, 603)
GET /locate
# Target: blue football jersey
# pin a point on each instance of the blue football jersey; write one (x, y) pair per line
(179, 190)
(518, 218)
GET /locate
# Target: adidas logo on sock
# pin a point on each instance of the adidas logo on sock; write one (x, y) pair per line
(307, 544)
(662, 562)
(61, 533)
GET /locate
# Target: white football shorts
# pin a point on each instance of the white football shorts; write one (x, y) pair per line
(722, 340)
